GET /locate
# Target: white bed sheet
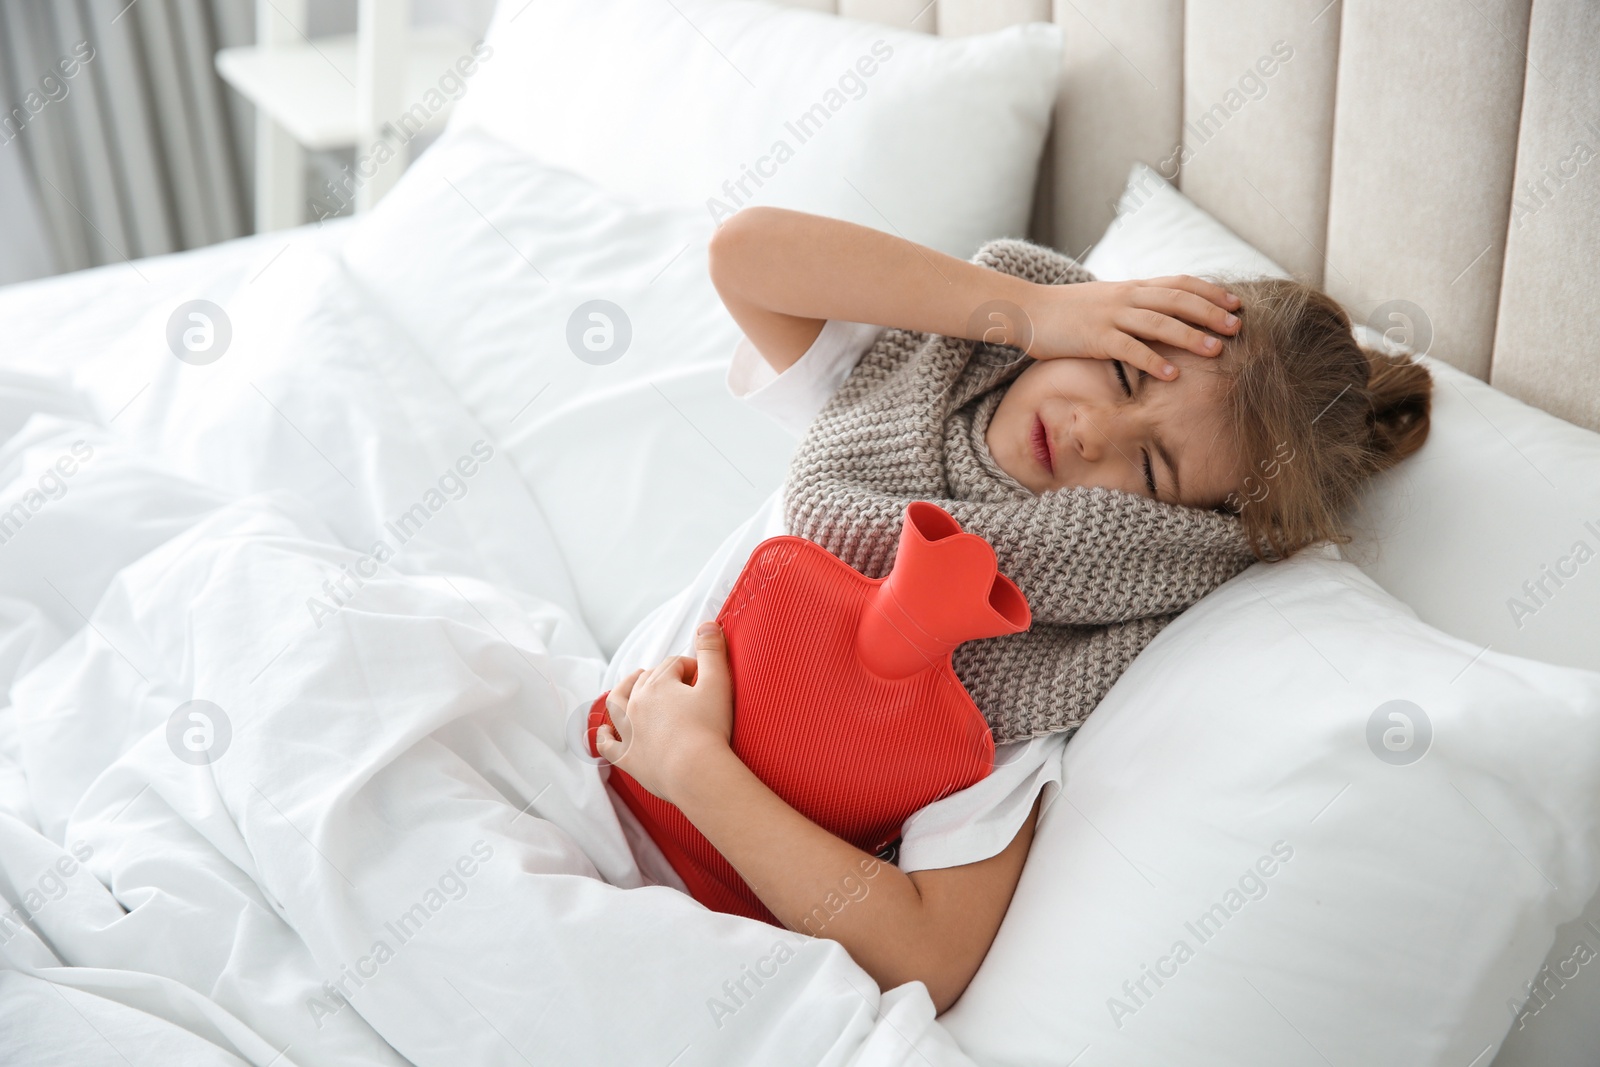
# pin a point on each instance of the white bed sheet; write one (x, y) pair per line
(377, 754)
(55, 324)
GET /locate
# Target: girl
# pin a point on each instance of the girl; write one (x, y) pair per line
(1126, 447)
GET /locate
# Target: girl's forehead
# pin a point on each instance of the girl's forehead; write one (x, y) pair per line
(1192, 417)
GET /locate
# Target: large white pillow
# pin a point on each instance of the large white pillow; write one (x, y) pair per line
(1304, 827)
(679, 103)
(1158, 231)
(642, 464)
(1454, 532)
(1492, 531)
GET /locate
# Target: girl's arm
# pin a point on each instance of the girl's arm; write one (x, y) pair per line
(782, 274)
(931, 926)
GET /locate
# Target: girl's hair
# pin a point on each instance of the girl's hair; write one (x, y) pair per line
(1317, 413)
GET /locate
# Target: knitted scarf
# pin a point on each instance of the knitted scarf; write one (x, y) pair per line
(1104, 571)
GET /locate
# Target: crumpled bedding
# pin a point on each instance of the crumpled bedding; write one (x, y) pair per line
(271, 794)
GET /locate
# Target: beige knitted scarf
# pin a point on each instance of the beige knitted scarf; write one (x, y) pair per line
(1103, 570)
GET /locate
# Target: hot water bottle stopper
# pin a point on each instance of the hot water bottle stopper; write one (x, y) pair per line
(845, 701)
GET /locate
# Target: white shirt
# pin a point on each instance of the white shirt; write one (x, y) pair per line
(965, 827)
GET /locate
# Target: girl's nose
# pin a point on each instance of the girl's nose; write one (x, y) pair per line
(1089, 432)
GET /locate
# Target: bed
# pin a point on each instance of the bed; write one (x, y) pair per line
(287, 683)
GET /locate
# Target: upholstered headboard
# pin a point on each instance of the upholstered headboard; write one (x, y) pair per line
(1443, 154)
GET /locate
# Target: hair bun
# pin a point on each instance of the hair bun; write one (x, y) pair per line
(1400, 391)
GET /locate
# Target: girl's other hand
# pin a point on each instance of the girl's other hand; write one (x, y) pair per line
(1112, 320)
(671, 717)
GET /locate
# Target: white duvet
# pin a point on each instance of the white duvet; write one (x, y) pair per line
(284, 775)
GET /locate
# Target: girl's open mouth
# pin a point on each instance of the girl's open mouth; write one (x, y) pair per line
(1041, 446)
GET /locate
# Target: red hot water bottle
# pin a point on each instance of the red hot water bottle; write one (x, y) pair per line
(845, 702)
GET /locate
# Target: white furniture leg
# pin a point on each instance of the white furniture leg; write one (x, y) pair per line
(280, 160)
(280, 177)
(381, 47)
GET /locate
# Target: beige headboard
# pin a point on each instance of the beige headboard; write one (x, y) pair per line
(1445, 153)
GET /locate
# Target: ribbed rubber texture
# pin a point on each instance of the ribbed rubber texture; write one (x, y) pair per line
(854, 752)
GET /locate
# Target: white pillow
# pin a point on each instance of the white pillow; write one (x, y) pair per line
(641, 465)
(1492, 530)
(677, 103)
(1158, 231)
(1362, 908)
(1452, 531)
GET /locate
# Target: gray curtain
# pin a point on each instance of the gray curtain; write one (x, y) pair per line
(126, 142)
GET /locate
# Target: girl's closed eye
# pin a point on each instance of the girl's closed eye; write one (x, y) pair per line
(1144, 455)
(1122, 376)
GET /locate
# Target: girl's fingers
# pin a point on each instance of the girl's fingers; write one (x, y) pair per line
(625, 687)
(1211, 292)
(1192, 308)
(1154, 326)
(1186, 312)
(617, 700)
(1135, 354)
(684, 669)
(607, 744)
(659, 669)
(678, 668)
(617, 707)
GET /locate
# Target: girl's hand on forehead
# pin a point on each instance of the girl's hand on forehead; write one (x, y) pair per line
(1114, 320)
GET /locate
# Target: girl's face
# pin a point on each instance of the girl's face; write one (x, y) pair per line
(1106, 424)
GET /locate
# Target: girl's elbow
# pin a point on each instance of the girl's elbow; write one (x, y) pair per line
(943, 971)
(732, 242)
(724, 252)
(946, 980)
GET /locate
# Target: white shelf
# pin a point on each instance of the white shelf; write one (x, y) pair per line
(310, 89)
